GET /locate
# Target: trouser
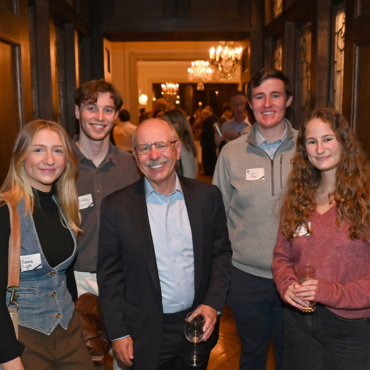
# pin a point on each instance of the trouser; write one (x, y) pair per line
(258, 313)
(324, 341)
(62, 349)
(175, 346)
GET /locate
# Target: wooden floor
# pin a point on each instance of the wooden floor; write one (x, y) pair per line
(225, 356)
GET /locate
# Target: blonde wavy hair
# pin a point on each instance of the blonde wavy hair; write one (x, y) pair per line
(17, 184)
(352, 181)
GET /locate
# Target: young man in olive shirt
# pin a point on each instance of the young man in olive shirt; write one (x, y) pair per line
(103, 169)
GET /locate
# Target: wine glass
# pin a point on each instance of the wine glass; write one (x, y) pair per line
(194, 333)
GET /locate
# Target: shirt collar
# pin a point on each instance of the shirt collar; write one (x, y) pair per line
(245, 120)
(80, 156)
(149, 188)
(260, 139)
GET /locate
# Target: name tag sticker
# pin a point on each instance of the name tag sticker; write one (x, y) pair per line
(302, 230)
(85, 201)
(30, 262)
(255, 174)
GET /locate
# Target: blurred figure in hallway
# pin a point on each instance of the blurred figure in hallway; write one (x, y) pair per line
(123, 131)
(187, 164)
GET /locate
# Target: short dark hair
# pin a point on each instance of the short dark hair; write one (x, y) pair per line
(236, 93)
(90, 90)
(142, 110)
(226, 107)
(265, 74)
(124, 115)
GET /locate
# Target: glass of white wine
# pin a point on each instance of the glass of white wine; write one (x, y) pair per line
(194, 333)
(305, 273)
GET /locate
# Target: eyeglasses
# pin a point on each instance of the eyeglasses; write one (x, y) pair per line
(161, 146)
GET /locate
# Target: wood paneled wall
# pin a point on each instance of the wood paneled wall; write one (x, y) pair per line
(320, 14)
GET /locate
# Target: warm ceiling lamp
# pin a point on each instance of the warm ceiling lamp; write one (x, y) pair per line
(170, 88)
(143, 99)
(225, 58)
(200, 71)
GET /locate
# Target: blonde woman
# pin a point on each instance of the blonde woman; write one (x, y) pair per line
(41, 183)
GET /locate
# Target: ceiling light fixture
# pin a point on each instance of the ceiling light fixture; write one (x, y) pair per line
(225, 59)
(200, 71)
(170, 88)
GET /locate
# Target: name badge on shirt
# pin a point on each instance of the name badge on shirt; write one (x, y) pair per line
(255, 174)
(302, 230)
(85, 201)
(30, 262)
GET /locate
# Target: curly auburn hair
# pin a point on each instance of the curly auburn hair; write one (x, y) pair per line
(352, 181)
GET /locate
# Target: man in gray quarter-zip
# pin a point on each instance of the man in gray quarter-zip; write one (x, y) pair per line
(251, 173)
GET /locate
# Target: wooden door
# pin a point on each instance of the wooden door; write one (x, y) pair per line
(356, 89)
(15, 76)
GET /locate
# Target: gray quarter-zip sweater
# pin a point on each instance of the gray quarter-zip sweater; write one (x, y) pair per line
(253, 206)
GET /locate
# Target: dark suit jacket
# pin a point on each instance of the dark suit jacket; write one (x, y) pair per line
(129, 287)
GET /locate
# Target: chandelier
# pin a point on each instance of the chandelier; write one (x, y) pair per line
(200, 71)
(225, 58)
(170, 88)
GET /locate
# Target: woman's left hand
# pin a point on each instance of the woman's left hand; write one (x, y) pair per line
(307, 290)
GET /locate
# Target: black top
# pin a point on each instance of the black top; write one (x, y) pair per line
(56, 250)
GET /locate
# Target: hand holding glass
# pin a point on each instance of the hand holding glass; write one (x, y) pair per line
(194, 333)
(306, 273)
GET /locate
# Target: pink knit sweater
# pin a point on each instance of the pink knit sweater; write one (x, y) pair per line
(342, 265)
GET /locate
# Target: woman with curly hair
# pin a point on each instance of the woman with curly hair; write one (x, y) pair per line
(325, 223)
(40, 184)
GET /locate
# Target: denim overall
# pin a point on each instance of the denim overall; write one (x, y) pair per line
(44, 300)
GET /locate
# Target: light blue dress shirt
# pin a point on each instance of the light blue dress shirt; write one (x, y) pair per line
(173, 245)
(267, 146)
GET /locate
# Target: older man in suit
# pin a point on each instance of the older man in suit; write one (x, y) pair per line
(164, 251)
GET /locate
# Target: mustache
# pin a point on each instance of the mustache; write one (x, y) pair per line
(155, 162)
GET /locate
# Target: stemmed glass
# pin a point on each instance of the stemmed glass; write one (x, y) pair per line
(194, 333)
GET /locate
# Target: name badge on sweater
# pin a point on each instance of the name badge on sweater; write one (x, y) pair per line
(30, 262)
(255, 174)
(302, 230)
(85, 201)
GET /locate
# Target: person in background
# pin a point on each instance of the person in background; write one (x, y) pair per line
(236, 126)
(41, 184)
(208, 107)
(142, 115)
(325, 223)
(160, 104)
(207, 142)
(251, 172)
(227, 114)
(239, 124)
(123, 131)
(159, 113)
(147, 115)
(197, 129)
(187, 165)
(195, 117)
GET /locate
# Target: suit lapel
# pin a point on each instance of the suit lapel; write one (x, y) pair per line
(194, 208)
(139, 214)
